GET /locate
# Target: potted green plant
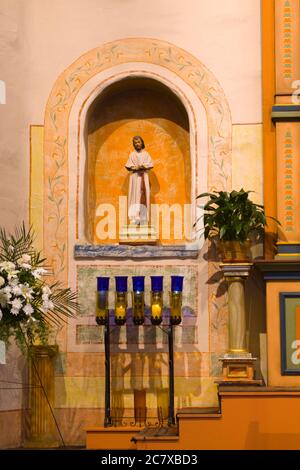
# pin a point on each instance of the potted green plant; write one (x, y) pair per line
(231, 218)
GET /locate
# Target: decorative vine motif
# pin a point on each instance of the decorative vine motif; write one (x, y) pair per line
(187, 67)
(220, 163)
(218, 308)
(57, 196)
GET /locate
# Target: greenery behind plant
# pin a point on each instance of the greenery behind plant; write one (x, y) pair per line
(232, 216)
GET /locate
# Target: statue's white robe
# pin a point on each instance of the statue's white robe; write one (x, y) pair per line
(139, 187)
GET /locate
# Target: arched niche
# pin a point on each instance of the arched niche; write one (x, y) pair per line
(64, 150)
(136, 106)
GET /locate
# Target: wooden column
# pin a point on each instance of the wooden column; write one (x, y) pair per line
(42, 432)
(235, 275)
(238, 363)
(237, 314)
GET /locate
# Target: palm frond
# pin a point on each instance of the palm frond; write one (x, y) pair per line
(13, 246)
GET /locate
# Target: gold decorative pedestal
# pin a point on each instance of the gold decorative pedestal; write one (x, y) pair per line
(42, 432)
(136, 234)
(238, 370)
(238, 363)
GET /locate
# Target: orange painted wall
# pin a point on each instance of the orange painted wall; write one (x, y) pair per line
(264, 419)
(138, 107)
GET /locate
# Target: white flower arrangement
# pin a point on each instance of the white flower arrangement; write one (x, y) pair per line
(28, 305)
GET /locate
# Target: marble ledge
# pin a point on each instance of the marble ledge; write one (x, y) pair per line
(189, 251)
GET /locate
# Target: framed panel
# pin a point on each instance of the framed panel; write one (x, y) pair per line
(290, 332)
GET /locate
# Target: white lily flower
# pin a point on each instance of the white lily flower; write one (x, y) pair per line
(47, 305)
(37, 273)
(12, 275)
(17, 290)
(27, 292)
(16, 304)
(25, 266)
(7, 266)
(10, 269)
(3, 299)
(46, 290)
(15, 311)
(24, 259)
(28, 310)
(7, 290)
(2, 281)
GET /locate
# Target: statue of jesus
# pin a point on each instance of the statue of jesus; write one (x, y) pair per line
(139, 162)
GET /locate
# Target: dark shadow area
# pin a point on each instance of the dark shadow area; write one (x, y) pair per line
(134, 91)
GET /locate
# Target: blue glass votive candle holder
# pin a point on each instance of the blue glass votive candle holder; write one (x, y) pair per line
(138, 300)
(177, 283)
(176, 299)
(121, 300)
(102, 300)
(156, 299)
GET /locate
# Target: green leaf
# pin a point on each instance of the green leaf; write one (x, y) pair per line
(223, 231)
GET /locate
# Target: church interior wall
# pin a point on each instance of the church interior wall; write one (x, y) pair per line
(39, 45)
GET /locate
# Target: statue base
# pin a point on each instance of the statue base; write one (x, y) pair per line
(238, 369)
(138, 234)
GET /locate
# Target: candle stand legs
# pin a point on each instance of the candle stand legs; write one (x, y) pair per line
(107, 418)
(171, 414)
(171, 417)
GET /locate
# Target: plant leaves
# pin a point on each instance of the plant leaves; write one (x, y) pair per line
(233, 215)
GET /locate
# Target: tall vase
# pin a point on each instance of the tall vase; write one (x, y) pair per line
(42, 431)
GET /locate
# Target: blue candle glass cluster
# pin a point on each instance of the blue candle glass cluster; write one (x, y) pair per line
(138, 300)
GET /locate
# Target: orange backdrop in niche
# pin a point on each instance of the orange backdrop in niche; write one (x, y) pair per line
(136, 107)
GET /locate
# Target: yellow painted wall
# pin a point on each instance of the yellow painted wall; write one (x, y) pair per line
(246, 147)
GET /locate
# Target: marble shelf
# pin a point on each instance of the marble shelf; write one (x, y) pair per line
(136, 251)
